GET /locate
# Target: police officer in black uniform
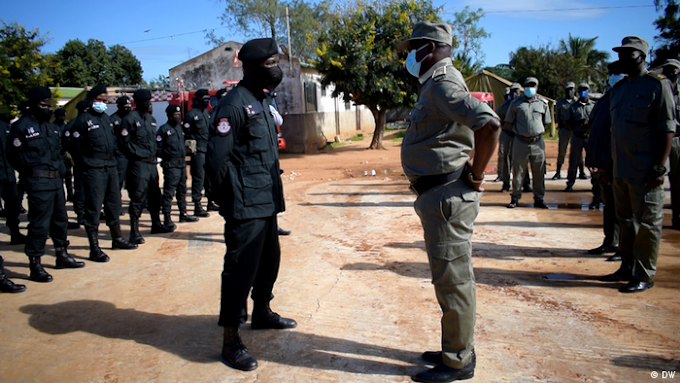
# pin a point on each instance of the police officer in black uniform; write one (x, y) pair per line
(243, 165)
(196, 124)
(173, 153)
(34, 150)
(124, 108)
(92, 146)
(6, 284)
(138, 136)
(8, 190)
(78, 198)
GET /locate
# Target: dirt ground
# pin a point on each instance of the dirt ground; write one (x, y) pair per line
(354, 275)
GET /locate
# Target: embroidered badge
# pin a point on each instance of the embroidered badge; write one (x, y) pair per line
(67, 133)
(76, 134)
(196, 118)
(159, 138)
(187, 125)
(16, 142)
(169, 133)
(31, 132)
(223, 127)
(124, 132)
(138, 124)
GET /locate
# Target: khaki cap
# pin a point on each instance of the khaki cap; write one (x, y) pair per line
(583, 85)
(569, 85)
(515, 85)
(633, 42)
(671, 62)
(530, 80)
(429, 30)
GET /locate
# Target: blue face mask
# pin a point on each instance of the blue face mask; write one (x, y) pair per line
(99, 107)
(413, 66)
(583, 93)
(530, 92)
(613, 79)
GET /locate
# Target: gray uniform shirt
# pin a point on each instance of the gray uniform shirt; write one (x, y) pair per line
(642, 110)
(441, 133)
(579, 114)
(562, 110)
(528, 116)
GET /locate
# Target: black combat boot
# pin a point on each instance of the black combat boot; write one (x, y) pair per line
(38, 274)
(16, 237)
(212, 206)
(65, 261)
(167, 222)
(265, 318)
(157, 227)
(198, 210)
(557, 175)
(235, 352)
(184, 217)
(96, 253)
(117, 240)
(6, 285)
(135, 236)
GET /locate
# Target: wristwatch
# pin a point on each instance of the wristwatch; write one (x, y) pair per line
(658, 171)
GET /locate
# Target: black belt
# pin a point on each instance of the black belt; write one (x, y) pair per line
(425, 183)
(102, 156)
(529, 140)
(46, 173)
(509, 132)
(175, 161)
(151, 160)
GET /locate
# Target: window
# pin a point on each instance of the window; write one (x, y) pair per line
(323, 91)
(310, 97)
(347, 106)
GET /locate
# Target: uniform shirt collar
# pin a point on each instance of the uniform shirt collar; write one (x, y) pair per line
(443, 62)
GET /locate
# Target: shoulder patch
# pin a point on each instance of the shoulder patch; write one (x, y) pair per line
(76, 134)
(67, 133)
(187, 125)
(439, 72)
(159, 138)
(656, 76)
(124, 132)
(223, 127)
(16, 142)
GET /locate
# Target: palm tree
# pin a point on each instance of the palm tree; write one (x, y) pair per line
(592, 62)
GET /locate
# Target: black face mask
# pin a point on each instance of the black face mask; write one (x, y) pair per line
(176, 119)
(41, 114)
(268, 78)
(143, 106)
(629, 65)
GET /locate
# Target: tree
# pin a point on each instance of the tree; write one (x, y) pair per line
(592, 64)
(669, 31)
(266, 18)
(161, 82)
(468, 56)
(357, 54)
(21, 65)
(92, 63)
(552, 68)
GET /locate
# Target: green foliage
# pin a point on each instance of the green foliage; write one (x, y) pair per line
(468, 56)
(90, 64)
(669, 31)
(160, 82)
(503, 70)
(576, 60)
(266, 18)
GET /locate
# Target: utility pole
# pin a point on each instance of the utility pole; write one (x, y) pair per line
(290, 54)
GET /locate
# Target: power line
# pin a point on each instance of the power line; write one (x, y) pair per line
(172, 36)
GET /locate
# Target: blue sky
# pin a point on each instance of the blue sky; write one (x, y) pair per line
(145, 27)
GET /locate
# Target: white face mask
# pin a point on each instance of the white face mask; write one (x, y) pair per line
(412, 65)
(99, 107)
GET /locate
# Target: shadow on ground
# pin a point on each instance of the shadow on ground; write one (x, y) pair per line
(197, 338)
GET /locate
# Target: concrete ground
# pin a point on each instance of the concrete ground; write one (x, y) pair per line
(354, 275)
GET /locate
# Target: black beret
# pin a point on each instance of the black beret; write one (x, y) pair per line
(60, 112)
(172, 108)
(122, 100)
(201, 92)
(221, 93)
(96, 91)
(83, 104)
(258, 49)
(38, 93)
(142, 94)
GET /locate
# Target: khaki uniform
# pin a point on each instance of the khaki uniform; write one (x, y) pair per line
(529, 117)
(505, 148)
(579, 114)
(564, 133)
(437, 143)
(641, 110)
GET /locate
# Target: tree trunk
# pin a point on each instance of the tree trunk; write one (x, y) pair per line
(379, 117)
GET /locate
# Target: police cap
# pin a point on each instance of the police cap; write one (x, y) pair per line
(96, 91)
(428, 30)
(122, 100)
(531, 80)
(83, 104)
(633, 42)
(203, 92)
(515, 86)
(142, 95)
(60, 112)
(258, 49)
(569, 85)
(583, 85)
(38, 93)
(671, 62)
(172, 109)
